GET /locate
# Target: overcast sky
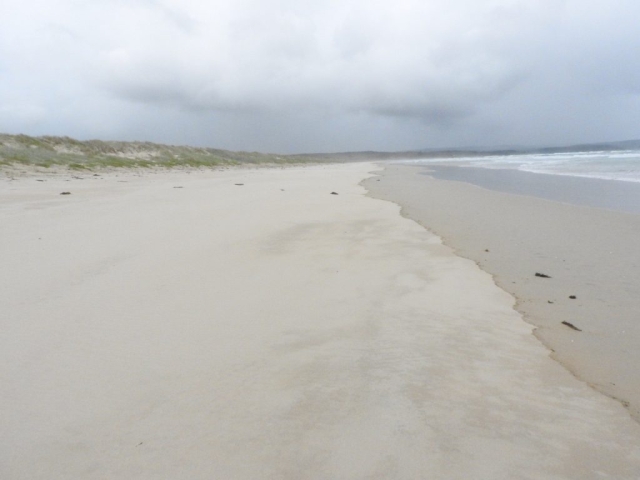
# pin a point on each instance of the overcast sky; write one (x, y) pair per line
(322, 75)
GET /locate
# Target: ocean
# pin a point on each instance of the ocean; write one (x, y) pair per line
(606, 165)
(605, 179)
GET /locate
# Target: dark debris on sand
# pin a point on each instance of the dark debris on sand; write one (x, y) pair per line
(572, 326)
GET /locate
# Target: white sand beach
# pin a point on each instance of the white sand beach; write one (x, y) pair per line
(270, 330)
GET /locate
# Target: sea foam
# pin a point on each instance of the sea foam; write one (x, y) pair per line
(608, 165)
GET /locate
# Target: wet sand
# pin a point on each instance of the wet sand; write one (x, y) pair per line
(590, 253)
(250, 324)
(614, 195)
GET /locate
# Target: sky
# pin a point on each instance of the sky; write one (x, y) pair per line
(291, 76)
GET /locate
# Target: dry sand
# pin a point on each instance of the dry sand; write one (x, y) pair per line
(271, 330)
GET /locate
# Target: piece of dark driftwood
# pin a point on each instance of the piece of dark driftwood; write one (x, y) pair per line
(572, 326)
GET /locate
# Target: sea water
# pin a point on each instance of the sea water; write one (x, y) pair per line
(607, 165)
(609, 180)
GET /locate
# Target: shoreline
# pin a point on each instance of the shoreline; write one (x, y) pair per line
(588, 253)
(614, 195)
(271, 323)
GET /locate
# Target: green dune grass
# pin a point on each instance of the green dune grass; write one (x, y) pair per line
(47, 152)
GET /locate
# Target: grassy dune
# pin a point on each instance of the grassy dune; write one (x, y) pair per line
(46, 152)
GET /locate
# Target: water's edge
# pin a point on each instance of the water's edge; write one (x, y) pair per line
(532, 303)
(591, 192)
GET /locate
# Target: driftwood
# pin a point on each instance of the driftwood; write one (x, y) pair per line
(572, 326)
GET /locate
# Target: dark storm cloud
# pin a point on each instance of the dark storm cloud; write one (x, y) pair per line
(252, 74)
(382, 61)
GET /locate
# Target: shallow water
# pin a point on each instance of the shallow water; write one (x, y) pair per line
(592, 192)
(604, 165)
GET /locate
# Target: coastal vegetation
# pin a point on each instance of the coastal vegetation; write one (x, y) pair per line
(49, 151)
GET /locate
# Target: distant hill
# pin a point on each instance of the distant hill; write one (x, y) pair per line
(514, 150)
(595, 147)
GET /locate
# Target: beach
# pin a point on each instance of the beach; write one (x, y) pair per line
(552, 228)
(303, 322)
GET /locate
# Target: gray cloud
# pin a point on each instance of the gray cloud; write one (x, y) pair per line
(286, 75)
